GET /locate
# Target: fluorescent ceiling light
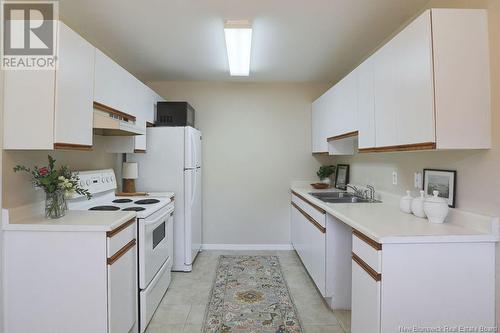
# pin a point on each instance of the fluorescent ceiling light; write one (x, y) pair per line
(238, 35)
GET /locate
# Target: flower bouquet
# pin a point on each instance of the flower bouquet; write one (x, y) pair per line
(57, 184)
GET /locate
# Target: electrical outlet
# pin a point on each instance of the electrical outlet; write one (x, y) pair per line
(417, 180)
(394, 178)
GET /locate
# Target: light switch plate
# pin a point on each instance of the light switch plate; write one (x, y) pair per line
(417, 178)
(394, 178)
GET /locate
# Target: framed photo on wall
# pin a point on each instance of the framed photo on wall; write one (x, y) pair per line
(342, 176)
(444, 181)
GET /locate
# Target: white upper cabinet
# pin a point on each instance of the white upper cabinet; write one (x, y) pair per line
(74, 89)
(54, 107)
(403, 84)
(384, 86)
(462, 78)
(427, 88)
(346, 105)
(115, 87)
(414, 87)
(319, 120)
(365, 117)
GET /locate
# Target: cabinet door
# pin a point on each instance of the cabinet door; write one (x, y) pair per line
(346, 105)
(315, 254)
(310, 244)
(365, 312)
(294, 227)
(28, 122)
(319, 143)
(414, 87)
(122, 292)
(366, 105)
(112, 85)
(385, 96)
(74, 89)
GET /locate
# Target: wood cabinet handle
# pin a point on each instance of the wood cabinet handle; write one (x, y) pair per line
(321, 210)
(367, 240)
(121, 252)
(374, 274)
(309, 218)
(120, 228)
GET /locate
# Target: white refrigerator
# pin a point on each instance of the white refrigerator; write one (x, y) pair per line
(172, 162)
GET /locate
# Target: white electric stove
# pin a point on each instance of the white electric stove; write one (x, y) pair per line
(154, 233)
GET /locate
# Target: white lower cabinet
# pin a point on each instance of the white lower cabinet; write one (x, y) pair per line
(309, 240)
(365, 314)
(122, 292)
(394, 287)
(71, 281)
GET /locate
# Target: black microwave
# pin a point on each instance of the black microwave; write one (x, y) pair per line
(174, 114)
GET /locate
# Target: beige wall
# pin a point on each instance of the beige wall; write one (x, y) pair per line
(256, 140)
(478, 172)
(17, 188)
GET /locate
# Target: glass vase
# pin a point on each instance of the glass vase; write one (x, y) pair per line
(55, 205)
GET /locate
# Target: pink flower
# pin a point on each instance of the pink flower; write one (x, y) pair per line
(43, 171)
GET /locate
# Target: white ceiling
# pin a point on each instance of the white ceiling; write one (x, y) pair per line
(293, 40)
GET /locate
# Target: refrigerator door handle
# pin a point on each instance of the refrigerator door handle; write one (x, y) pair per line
(193, 190)
(193, 150)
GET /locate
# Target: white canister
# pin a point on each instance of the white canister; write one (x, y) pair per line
(417, 205)
(436, 208)
(405, 203)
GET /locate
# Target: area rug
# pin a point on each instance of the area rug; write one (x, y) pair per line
(250, 295)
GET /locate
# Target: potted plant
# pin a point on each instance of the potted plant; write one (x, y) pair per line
(57, 184)
(324, 173)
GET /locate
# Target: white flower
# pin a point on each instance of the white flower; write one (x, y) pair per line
(61, 178)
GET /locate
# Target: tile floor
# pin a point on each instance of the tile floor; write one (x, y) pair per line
(183, 308)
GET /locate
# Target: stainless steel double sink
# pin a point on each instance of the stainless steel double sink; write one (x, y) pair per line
(341, 197)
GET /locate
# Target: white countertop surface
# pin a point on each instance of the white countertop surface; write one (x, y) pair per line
(74, 220)
(385, 223)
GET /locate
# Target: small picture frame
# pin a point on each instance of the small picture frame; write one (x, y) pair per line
(444, 181)
(342, 176)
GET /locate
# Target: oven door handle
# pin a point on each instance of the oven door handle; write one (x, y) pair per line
(159, 219)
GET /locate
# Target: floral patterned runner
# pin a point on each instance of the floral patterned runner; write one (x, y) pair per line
(250, 295)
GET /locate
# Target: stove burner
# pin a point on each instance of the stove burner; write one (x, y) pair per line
(105, 208)
(134, 209)
(122, 200)
(147, 201)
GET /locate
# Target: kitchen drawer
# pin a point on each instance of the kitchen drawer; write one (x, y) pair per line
(367, 250)
(313, 211)
(121, 236)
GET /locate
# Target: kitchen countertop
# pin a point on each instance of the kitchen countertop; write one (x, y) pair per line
(23, 218)
(385, 223)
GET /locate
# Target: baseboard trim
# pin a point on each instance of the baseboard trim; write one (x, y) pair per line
(248, 247)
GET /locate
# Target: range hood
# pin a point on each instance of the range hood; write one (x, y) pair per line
(111, 122)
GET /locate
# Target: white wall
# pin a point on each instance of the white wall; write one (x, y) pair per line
(17, 188)
(256, 140)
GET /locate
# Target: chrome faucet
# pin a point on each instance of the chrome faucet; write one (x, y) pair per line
(356, 190)
(368, 193)
(371, 189)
